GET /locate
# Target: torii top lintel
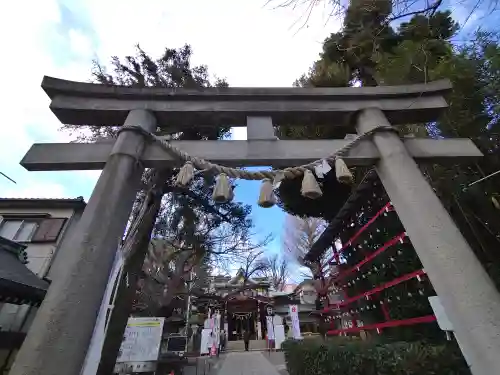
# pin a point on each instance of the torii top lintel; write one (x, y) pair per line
(80, 103)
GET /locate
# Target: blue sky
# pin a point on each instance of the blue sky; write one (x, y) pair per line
(245, 41)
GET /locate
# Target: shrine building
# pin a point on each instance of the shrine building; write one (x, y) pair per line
(245, 304)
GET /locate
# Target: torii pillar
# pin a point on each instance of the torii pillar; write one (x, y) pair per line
(468, 295)
(60, 335)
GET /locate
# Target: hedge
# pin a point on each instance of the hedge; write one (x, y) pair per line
(362, 358)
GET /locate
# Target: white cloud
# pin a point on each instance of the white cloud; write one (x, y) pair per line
(81, 44)
(36, 190)
(244, 41)
(27, 37)
(249, 43)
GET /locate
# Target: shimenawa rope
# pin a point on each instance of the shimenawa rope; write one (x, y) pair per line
(290, 172)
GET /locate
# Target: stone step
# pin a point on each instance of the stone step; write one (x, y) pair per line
(239, 345)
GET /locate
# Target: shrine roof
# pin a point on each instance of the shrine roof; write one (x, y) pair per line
(239, 279)
(78, 202)
(302, 283)
(18, 284)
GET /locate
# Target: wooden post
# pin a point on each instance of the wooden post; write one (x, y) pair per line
(468, 295)
(60, 335)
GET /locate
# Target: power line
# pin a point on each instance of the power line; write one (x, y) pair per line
(484, 178)
(8, 178)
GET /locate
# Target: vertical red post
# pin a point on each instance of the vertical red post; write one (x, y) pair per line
(385, 311)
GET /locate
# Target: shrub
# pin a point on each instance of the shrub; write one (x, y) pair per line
(362, 358)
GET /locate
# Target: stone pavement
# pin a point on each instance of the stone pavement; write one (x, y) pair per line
(250, 363)
(277, 359)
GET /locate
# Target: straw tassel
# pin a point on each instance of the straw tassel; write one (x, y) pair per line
(310, 187)
(266, 196)
(222, 191)
(342, 172)
(185, 175)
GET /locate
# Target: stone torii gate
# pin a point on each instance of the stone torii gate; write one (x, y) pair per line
(60, 335)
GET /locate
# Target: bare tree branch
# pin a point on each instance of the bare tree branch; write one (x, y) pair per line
(276, 269)
(299, 236)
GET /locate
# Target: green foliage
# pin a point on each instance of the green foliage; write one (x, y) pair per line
(363, 358)
(408, 299)
(172, 69)
(473, 112)
(369, 51)
(291, 199)
(188, 221)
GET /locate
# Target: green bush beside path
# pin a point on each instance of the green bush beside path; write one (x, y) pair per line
(362, 358)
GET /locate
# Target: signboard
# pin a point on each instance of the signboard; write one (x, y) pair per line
(141, 341)
(445, 324)
(294, 316)
(441, 317)
(175, 344)
(279, 335)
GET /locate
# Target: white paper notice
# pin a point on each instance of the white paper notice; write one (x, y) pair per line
(142, 339)
(442, 319)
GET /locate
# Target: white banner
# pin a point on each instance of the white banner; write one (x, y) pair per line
(206, 341)
(216, 329)
(93, 356)
(270, 328)
(294, 316)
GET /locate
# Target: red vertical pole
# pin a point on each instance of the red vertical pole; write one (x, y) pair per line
(385, 311)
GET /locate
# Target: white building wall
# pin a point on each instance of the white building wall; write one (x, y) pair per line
(40, 258)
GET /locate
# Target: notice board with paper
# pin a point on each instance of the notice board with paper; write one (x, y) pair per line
(142, 340)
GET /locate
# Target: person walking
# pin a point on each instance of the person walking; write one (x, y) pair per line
(222, 343)
(246, 339)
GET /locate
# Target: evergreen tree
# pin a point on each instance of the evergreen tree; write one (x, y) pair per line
(418, 51)
(193, 229)
(184, 210)
(380, 255)
(368, 51)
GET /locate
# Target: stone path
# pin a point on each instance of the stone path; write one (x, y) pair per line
(247, 363)
(277, 359)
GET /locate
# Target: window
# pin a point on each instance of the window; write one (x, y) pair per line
(31, 230)
(18, 230)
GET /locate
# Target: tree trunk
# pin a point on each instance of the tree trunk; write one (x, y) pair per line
(128, 285)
